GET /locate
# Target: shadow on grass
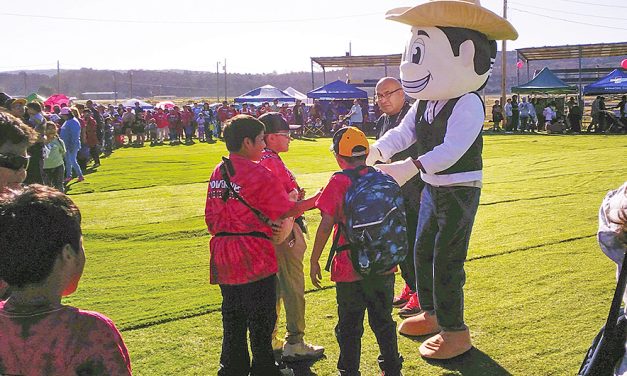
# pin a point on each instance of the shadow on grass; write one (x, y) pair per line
(473, 362)
(303, 367)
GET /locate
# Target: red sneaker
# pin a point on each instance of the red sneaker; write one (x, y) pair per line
(412, 308)
(403, 298)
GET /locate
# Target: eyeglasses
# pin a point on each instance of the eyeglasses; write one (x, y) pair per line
(14, 162)
(284, 134)
(379, 97)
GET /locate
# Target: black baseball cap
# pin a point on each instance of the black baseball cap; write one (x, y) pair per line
(274, 123)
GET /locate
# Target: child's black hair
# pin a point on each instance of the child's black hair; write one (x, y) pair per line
(35, 224)
(355, 161)
(239, 128)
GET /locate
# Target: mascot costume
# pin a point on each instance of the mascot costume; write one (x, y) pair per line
(448, 58)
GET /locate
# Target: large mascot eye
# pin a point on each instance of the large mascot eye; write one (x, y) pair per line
(417, 51)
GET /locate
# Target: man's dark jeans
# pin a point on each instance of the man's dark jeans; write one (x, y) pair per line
(248, 307)
(408, 271)
(444, 227)
(353, 299)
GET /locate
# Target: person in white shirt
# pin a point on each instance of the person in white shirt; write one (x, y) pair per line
(524, 114)
(355, 115)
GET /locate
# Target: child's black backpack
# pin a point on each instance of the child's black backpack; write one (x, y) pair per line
(609, 345)
(375, 225)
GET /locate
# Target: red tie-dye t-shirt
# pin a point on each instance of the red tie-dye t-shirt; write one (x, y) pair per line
(61, 341)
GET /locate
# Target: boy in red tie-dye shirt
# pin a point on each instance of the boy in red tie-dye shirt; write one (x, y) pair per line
(42, 259)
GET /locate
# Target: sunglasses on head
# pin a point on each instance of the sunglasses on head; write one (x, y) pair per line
(14, 162)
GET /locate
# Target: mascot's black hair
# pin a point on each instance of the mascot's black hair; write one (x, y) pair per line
(485, 49)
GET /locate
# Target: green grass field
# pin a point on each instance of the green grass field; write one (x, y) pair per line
(538, 286)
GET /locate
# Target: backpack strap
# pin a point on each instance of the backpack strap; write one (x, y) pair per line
(353, 174)
(334, 247)
(226, 169)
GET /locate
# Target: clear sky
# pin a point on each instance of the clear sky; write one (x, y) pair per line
(256, 36)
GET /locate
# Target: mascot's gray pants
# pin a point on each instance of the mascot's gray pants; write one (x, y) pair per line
(444, 227)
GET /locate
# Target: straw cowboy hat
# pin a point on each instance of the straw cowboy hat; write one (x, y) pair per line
(468, 14)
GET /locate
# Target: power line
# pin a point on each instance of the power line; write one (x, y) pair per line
(573, 13)
(593, 4)
(166, 22)
(566, 20)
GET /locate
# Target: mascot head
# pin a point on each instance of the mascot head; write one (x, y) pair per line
(451, 49)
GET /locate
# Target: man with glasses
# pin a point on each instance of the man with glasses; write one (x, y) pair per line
(391, 100)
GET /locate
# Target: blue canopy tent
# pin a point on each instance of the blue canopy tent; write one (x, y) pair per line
(267, 93)
(545, 82)
(337, 90)
(614, 83)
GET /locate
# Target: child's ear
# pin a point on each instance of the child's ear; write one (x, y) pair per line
(68, 253)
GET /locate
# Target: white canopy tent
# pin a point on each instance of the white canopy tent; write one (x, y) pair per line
(298, 95)
(142, 104)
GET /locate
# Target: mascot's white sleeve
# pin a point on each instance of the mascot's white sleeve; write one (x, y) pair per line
(400, 137)
(464, 125)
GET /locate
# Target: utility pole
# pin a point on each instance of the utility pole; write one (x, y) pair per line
(218, 80)
(131, 82)
(504, 61)
(115, 89)
(25, 87)
(225, 96)
(58, 78)
(350, 53)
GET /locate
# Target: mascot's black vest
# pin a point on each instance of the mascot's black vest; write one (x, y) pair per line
(431, 135)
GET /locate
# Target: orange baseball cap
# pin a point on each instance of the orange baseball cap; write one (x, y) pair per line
(350, 142)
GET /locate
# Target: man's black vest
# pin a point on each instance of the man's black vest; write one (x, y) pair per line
(429, 136)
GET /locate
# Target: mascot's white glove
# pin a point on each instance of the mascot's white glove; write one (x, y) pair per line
(373, 156)
(401, 171)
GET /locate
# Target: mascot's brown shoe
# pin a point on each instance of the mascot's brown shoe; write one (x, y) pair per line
(420, 325)
(446, 345)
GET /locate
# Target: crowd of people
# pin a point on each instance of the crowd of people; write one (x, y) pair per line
(552, 116)
(257, 245)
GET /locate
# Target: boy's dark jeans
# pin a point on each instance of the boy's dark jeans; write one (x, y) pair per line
(444, 226)
(353, 299)
(249, 307)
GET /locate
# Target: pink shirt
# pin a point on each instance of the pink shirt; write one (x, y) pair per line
(62, 341)
(274, 163)
(331, 202)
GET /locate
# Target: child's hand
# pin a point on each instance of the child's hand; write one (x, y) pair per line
(315, 274)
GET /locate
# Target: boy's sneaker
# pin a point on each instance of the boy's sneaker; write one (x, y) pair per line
(67, 180)
(301, 351)
(403, 298)
(412, 308)
(80, 178)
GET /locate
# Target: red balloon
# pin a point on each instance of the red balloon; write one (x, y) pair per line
(519, 64)
(623, 64)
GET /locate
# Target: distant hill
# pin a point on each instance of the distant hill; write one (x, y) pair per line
(182, 83)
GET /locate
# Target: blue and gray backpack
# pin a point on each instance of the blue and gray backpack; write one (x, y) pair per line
(375, 225)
